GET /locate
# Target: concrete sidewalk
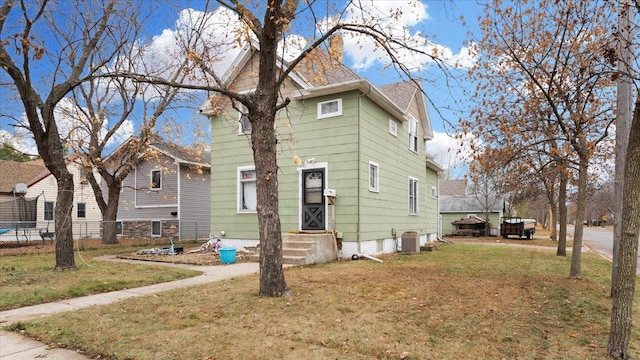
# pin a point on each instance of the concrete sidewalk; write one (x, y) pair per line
(14, 346)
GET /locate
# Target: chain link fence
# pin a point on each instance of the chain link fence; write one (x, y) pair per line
(152, 232)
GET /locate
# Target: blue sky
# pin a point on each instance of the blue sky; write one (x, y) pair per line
(438, 20)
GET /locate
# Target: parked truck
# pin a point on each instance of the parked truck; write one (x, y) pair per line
(517, 226)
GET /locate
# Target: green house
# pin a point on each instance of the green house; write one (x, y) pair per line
(340, 136)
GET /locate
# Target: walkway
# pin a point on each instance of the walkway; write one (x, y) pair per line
(15, 347)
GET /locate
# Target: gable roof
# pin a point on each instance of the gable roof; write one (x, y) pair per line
(453, 187)
(467, 204)
(181, 154)
(321, 74)
(192, 155)
(14, 172)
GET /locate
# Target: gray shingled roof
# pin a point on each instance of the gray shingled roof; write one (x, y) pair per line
(466, 204)
(191, 154)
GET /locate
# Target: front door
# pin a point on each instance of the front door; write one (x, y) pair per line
(313, 201)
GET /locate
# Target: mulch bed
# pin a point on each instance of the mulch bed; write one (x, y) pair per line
(204, 258)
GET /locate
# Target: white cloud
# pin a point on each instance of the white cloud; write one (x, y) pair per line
(399, 20)
(449, 152)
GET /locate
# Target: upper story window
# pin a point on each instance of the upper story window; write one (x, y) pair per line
(393, 128)
(156, 179)
(329, 108)
(244, 125)
(374, 176)
(247, 196)
(413, 134)
(434, 192)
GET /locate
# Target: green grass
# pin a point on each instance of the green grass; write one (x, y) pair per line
(29, 279)
(459, 302)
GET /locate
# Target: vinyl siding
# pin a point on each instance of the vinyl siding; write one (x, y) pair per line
(195, 201)
(389, 209)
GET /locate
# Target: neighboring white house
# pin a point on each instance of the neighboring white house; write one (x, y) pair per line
(41, 184)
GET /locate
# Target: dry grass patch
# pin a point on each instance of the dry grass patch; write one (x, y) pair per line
(27, 276)
(459, 302)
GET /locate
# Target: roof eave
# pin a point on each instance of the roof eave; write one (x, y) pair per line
(363, 86)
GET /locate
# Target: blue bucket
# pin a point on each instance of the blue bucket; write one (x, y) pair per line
(227, 255)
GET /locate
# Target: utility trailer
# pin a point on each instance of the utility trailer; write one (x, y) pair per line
(517, 226)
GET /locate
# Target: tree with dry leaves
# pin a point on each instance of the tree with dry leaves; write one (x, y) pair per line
(73, 40)
(554, 59)
(271, 26)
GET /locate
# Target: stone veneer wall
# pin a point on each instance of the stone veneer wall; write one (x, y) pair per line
(142, 229)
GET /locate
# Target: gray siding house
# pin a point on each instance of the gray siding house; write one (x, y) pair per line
(339, 135)
(167, 193)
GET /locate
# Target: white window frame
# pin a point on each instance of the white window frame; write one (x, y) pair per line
(152, 183)
(240, 191)
(393, 128)
(159, 228)
(434, 192)
(243, 113)
(413, 196)
(413, 134)
(374, 176)
(338, 112)
(84, 210)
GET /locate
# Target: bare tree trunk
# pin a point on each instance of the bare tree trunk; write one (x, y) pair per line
(562, 216)
(110, 215)
(623, 122)
(624, 289)
(263, 140)
(553, 231)
(63, 223)
(576, 254)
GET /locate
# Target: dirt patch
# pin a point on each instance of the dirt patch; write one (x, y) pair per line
(204, 258)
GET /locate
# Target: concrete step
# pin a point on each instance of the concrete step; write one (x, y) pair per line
(287, 251)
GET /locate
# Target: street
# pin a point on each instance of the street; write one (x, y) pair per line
(600, 239)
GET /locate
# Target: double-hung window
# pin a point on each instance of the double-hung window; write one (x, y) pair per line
(413, 196)
(81, 210)
(247, 198)
(374, 177)
(48, 210)
(413, 134)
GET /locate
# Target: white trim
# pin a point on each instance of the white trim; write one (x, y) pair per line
(156, 206)
(151, 228)
(151, 180)
(320, 165)
(338, 112)
(376, 188)
(239, 171)
(434, 192)
(393, 127)
(417, 196)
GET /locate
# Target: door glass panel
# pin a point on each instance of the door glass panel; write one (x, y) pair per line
(313, 187)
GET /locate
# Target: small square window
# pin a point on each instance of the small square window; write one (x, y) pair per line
(156, 229)
(329, 108)
(393, 128)
(374, 176)
(81, 210)
(156, 179)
